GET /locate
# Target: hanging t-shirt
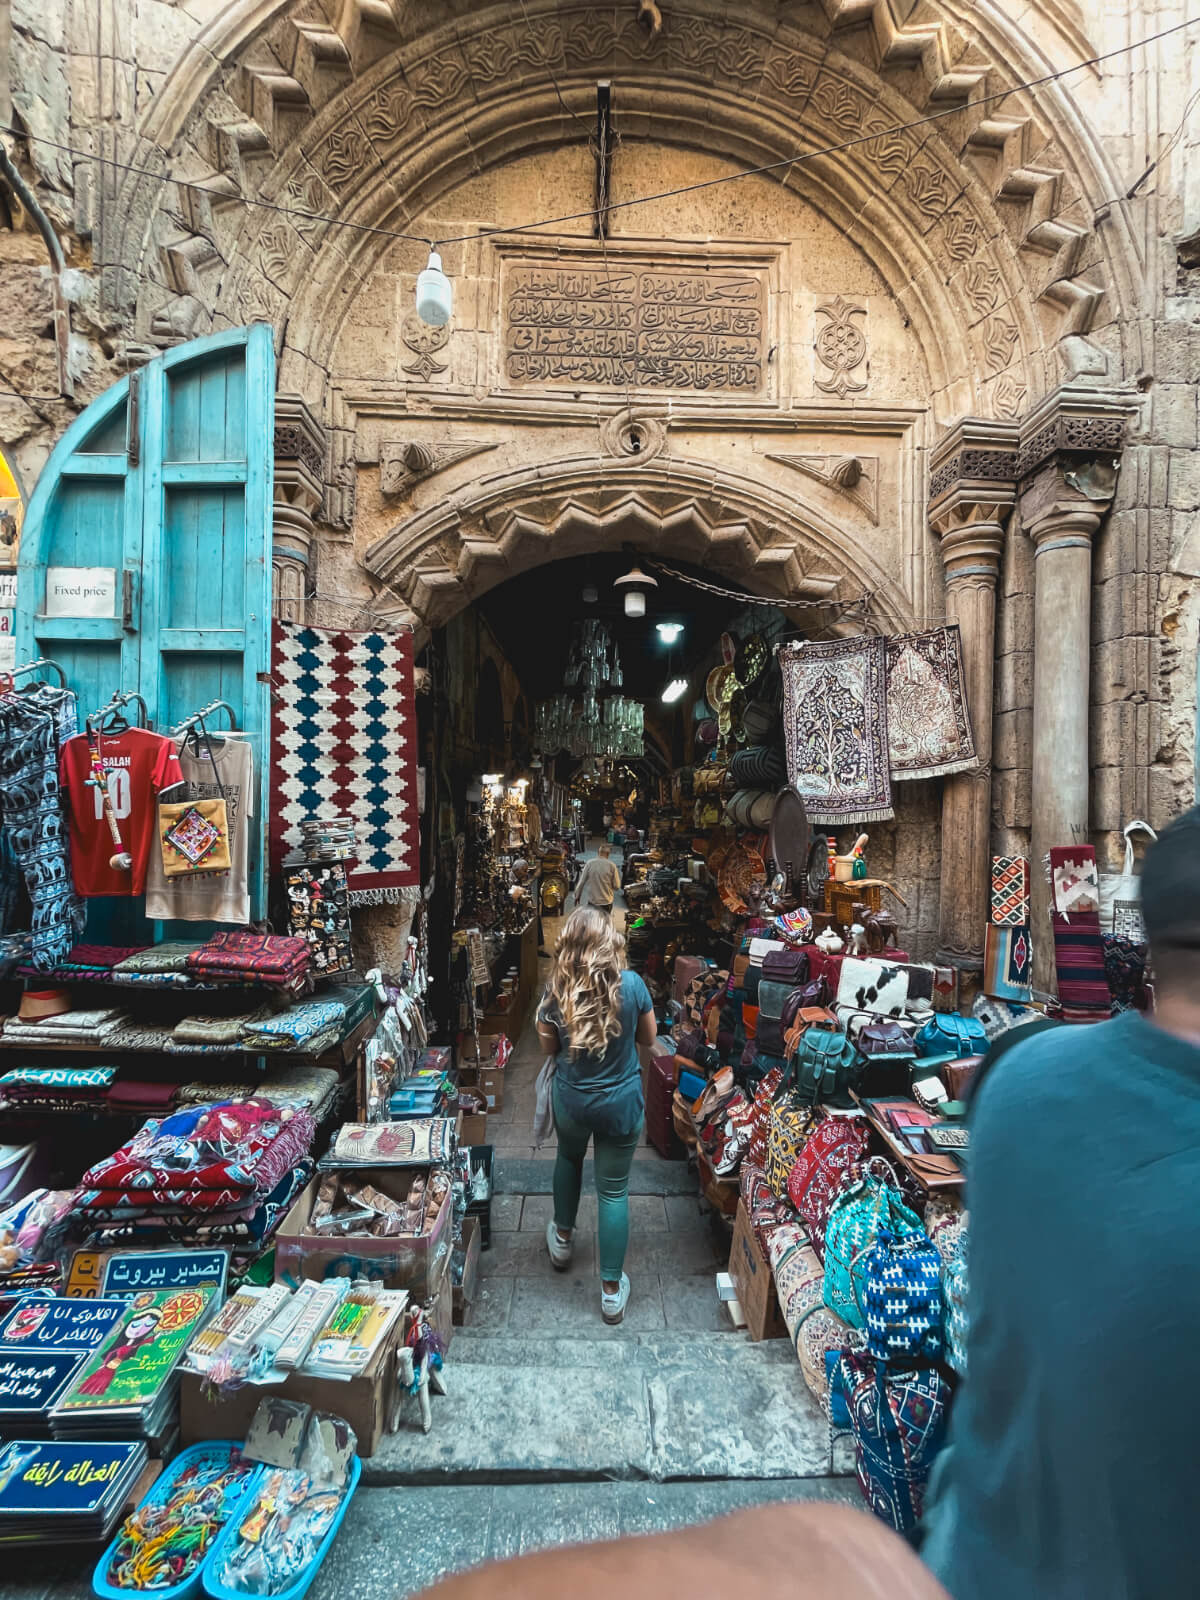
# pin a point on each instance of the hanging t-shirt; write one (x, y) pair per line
(140, 765)
(210, 896)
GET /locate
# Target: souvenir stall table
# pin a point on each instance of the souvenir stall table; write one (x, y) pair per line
(179, 1095)
(820, 1074)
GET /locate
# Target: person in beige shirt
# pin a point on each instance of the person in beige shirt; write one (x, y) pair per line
(599, 881)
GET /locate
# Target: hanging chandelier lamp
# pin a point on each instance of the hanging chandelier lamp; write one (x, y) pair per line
(590, 719)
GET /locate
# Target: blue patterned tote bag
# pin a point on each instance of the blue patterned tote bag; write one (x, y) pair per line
(856, 1217)
(902, 1298)
(899, 1425)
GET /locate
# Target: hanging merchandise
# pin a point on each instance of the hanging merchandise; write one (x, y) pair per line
(319, 912)
(344, 739)
(1010, 891)
(35, 722)
(218, 775)
(600, 723)
(194, 833)
(835, 726)
(113, 779)
(929, 730)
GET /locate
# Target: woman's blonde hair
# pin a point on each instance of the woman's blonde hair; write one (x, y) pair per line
(585, 981)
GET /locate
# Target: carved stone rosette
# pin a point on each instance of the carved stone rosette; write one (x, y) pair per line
(300, 451)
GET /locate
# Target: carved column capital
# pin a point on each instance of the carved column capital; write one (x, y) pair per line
(299, 484)
(972, 489)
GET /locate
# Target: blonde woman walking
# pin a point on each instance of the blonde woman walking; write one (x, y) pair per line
(594, 1015)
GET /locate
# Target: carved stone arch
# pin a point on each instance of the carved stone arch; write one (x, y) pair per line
(226, 117)
(770, 545)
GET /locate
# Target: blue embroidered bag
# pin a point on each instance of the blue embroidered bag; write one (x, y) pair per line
(856, 1217)
(954, 1292)
(899, 1425)
(902, 1298)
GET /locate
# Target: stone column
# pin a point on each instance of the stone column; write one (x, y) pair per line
(1070, 454)
(299, 488)
(972, 491)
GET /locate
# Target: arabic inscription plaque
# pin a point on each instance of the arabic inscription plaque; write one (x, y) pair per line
(634, 325)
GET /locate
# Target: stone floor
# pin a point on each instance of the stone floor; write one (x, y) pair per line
(558, 1429)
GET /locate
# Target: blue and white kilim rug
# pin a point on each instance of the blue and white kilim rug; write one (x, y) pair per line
(344, 743)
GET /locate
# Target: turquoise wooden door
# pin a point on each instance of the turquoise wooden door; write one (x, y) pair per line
(155, 510)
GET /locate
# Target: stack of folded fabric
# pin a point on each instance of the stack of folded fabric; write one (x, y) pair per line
(162, 966)
(203, 1035)
(266, 958)
(56, 1088)
(311, 1087)
(311, 1026)
(84, 963)
(205, 1174)
(68, 1028)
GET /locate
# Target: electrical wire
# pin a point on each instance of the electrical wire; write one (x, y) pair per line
(547, 223)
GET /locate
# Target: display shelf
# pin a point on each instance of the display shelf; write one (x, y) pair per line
(343, 1055)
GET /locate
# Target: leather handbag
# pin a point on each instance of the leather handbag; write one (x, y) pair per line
(946, 1033)
(786, 966)
(886, 1041)
(772, 997)
(769, 1039)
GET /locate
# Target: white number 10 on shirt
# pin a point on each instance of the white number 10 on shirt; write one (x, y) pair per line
(119, 793)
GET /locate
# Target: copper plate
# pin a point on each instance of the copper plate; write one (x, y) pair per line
(791, 836)
(752, 658)
(719, 688)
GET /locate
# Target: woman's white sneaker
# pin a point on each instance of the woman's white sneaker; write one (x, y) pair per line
(560, 1249)
(612, 1306)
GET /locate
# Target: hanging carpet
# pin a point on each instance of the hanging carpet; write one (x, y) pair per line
(835, 725)
(929, 731)
(345, 744)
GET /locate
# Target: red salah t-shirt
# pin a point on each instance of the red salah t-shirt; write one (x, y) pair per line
(139, 764)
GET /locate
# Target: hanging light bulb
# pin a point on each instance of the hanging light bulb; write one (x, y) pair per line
(634, 584)
(435, 298)
(590, 594)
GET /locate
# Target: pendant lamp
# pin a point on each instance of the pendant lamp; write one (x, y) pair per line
(634, 585)
(435, 298)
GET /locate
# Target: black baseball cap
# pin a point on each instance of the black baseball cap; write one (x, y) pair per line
(1170, 885)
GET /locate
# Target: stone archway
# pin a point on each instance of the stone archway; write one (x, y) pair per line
(440, 560)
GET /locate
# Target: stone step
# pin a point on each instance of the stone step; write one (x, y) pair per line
(392, 1547)
(660, 1407)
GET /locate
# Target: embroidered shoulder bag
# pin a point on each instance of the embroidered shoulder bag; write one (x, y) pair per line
(902, 1298)
(899, 1424)
(829, 1159)
(194, 834)
(855, 1221)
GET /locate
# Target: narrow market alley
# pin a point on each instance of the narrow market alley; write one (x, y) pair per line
(558, 1428)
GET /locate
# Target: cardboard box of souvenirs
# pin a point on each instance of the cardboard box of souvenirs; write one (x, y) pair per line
(464, 1292)
(365, 1401)
(472, 1127)
(489, 1080)
(751, 1273)
(409, 1261)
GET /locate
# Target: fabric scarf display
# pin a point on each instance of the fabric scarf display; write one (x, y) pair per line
(137, 1036)
(929, 732)
(295, 1028)
(1125, 969)
(312, 1087)
(799, 1279)
(80, 1080)
(254, 1225)
(141, 1095)
(344, 742)
(171, 956)
(34, 725)
(835, 728)
(1074, 881)
(1007, 962)
(318, 900)
(246, 1145)
(218, 1030)
(264, 958)
(1010, 891)
(1079, 966)
(71, 1028)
